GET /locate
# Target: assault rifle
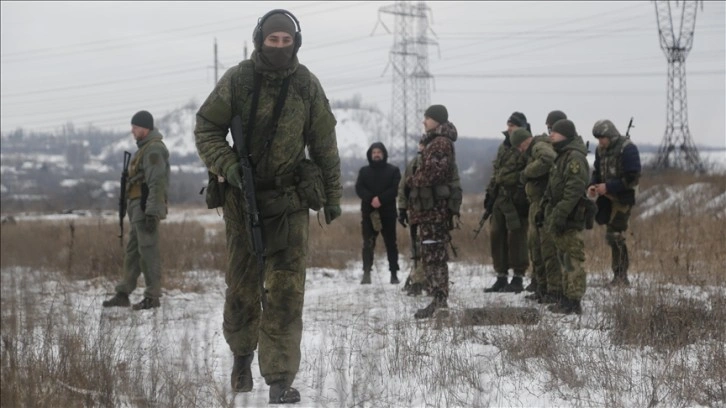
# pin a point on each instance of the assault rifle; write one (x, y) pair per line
(254, 220)
(483, 219)
(630, 125)
(413, 232)
(122, 195)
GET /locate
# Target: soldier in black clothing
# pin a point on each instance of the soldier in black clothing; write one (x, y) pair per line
(377, 187)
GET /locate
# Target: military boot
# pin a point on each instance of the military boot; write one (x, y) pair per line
(147, 303)
(394, 278)
(406, 285)
(532, 287)
(439, 302)
(415, 289)
(119, 300)
(536, 296)
(242, 373)
(566, 306)
(514, 286)
(500, 284)
(366, 278)
(282, 394)
(620, 280)
(549, 298)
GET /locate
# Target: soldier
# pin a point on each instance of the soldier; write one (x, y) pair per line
(147, 194)
(285, 111)
(506, 200)
(432, 203)
(376, 186)
(564, 212)
(546, 273)
(614, 180)
(416, 281)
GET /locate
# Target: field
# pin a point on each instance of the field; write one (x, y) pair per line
(661, 342)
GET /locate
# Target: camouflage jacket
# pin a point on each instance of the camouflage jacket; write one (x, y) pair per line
(431, 197)
(618, 166)
(149, 170)
(540, 156)
(566, 187)
(306, 121)
(404, 190)
(506, 185)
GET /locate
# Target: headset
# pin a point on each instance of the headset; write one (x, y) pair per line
(257, 33)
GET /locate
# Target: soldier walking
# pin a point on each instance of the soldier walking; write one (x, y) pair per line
(147, 195)
(506, 200)
(432, 203)
(614, 180)
(284, 112)
(564, 212)
(377, 187)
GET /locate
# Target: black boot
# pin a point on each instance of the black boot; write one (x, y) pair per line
(536, 296)
(532, 287)
(119, 300)
(282, 394)
(147, 303)
(406, 285)
(438, 303)
(514, 286)
(549, 298)
(415, 289)
(242, 373)
(394, 278)
(366, 278)
(500, 284)
(566, 306)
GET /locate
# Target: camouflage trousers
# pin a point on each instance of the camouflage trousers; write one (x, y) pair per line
(278, 329)
(615, 237)
(508, 246)
(433, 238)
(141, 256)
(571, 254)
(546, 271)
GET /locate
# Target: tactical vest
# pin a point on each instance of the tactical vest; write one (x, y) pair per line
(136, 177)
(611, 164)
(426, 198)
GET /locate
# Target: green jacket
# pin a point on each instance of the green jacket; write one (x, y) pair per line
(506, 184)
(149, 170)
(566, 187)
(540, 158)
(306, 121)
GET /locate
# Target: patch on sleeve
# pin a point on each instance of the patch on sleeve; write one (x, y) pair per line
(575, 167)
(154, 159)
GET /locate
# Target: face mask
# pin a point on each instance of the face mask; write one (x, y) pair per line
(276, 58)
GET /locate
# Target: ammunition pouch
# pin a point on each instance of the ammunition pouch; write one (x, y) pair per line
(310, 187)
(274, 210)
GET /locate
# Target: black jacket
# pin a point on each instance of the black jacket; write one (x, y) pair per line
(378, 179)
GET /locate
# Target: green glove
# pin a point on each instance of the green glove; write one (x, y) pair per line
(331, 212)
(150, 223)
(233, 175)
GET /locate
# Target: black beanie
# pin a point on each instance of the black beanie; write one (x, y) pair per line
(437, 113)
(518, 119)
(554, 116)
(143, 119)
(566, 128)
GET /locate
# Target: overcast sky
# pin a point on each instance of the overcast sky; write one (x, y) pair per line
(99, 62)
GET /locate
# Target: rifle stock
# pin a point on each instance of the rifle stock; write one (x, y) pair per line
(254, 220)
(483, 219)
(122, 195)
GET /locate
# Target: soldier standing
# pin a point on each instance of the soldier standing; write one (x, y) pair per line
(432, 203)
(614, 179)
(416, 281)
(377, 186)
(147, 195)
(564, 212)
(284, 110)
(546, 273)
(506, 200)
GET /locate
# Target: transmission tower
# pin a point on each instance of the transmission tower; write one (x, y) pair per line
(411, 77)
(677, 149)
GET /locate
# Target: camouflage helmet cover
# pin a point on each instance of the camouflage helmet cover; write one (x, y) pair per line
(605, 128)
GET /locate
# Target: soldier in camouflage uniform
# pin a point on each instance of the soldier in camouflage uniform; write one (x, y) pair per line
(614, 180)
(506, 200)
(546, 273)
(416, 281)
(147, 194)
(432, 203)
(305, 121)
(564, 212)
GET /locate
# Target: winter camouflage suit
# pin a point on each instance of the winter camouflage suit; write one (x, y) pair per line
(618, 166)
(430, 203)
(564, 213)
(546, 271)
(509, 224)
(306, 121)
(148, 169)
